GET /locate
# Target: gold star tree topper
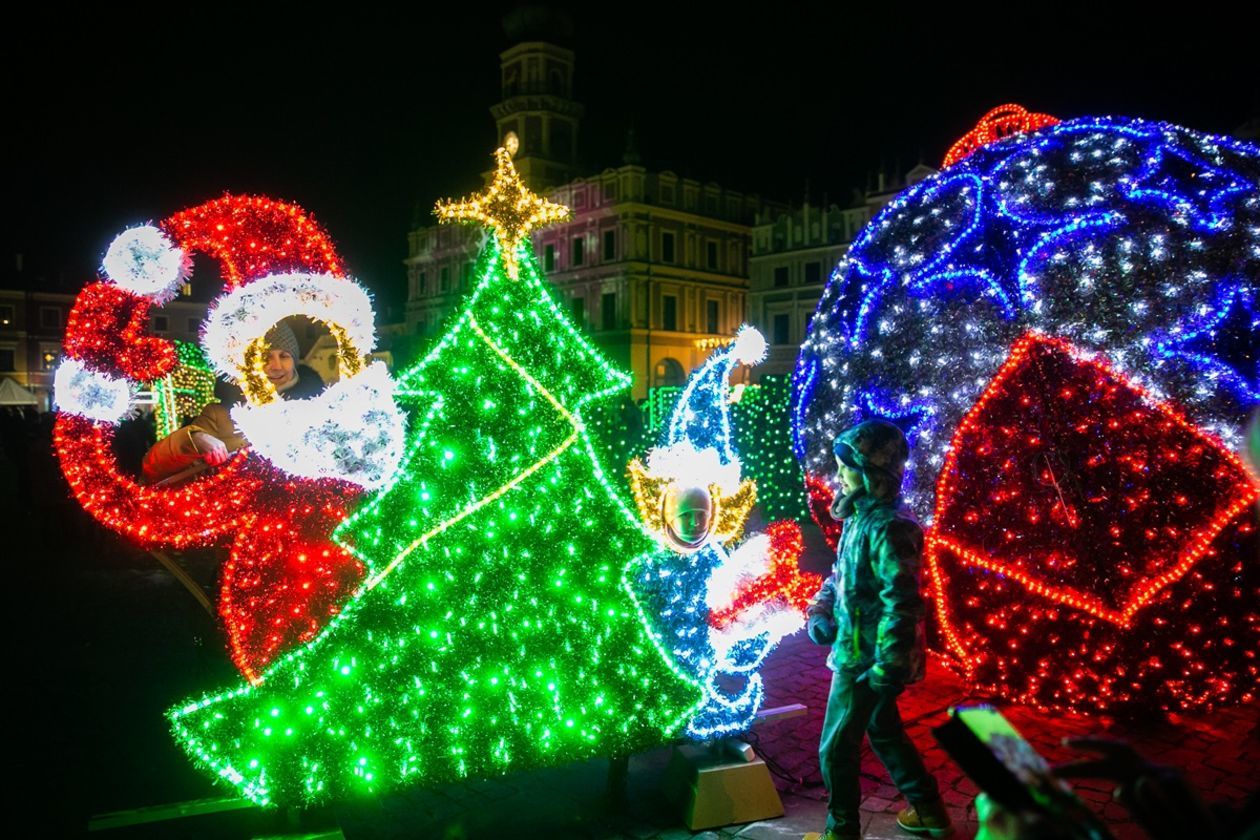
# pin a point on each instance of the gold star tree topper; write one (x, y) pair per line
(507, 206)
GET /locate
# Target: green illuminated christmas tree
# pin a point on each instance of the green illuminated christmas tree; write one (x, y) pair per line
(494, 630)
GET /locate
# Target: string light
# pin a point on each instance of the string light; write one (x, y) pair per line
(1070, 249)
(85, 392)
(234, 333)
(143, 260)
(762, 421)
(1135, 242)
(1002, 121)
(108, 330)
(181, 394)
(717, 612)
(253, 236)
(493, 630)
(781, 583)
(508, 208)
(283, 579)
(1153, 495)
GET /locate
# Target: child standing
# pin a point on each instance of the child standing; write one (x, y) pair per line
(871, 612)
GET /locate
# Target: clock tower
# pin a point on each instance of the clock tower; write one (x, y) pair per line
(537, 105)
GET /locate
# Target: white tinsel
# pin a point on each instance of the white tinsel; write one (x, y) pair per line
(248, 312)
(143, 260)
(97, 396)
(352, 431)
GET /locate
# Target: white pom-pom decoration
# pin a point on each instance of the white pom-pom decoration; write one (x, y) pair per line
(352, 431)
(97, 396)
(143, 260)
(750, 346)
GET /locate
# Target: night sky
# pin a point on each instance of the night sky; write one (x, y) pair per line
(128, 118)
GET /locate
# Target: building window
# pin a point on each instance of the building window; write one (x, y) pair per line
(711, 249)
(194, 325)
(669, 312)
(6, 316)
(608, 310)
(466, 277)
(579, 250)
(813, 272)
(670, 373)
(444, 284)
(667, 247)
(48, 355)
(49, 317)
(8, 359)
(782, 329)
(422, 284)
(549, 258)
(711, 315)
(161, 323)
(561, 140)
(578, 308)
(780, 277)
(610, 245)
(667, 195)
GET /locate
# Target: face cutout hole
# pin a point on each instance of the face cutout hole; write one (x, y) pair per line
(688, 516)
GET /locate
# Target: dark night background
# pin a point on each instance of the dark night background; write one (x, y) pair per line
(127, 117)
(365, 120)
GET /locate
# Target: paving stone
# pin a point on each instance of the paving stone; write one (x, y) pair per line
(967, 787)
(1093, 795)
(1230, 765)
(887, 792)
(875, 804)
(673, 834)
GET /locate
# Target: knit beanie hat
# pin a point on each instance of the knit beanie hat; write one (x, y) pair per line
(281, 337)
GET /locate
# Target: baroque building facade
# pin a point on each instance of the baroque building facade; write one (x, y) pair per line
(793, 255)
(653, 265)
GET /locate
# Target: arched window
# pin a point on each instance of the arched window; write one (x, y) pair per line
(669, 372)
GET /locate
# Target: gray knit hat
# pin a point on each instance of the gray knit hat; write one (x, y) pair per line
(281, 337)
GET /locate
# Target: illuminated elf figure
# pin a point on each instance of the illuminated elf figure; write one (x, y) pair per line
(493, 630)
(718, 612)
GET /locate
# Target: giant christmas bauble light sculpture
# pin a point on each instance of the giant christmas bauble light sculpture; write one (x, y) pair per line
(1065, 324)
(493, 629)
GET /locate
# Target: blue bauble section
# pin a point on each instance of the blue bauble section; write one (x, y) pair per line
(1136, 240)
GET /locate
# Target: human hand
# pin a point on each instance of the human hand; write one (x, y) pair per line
(883, 686)
(1159, 798)
(212, 450)
(822, 629)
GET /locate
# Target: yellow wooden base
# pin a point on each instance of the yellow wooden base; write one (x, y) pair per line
(715, 791)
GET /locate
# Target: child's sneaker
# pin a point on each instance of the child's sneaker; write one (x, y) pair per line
(926, 818)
